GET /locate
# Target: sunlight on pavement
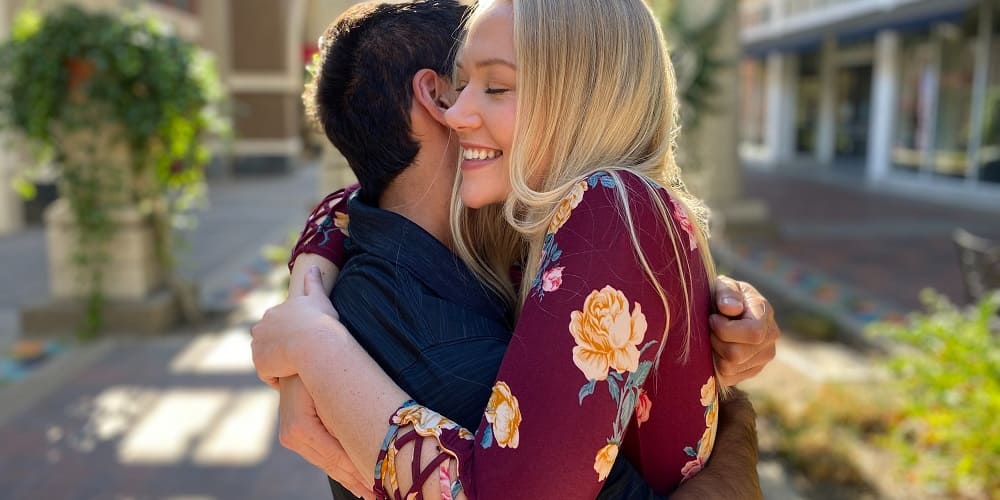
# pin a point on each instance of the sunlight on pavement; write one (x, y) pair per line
(228, 352)
(177, 419)
(221, 427)
(245, 434)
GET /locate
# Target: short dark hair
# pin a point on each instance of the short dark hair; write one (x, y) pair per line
(362, 92)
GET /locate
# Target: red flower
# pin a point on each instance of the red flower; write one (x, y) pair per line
(642, 408)
(680, 215)
(552, 279)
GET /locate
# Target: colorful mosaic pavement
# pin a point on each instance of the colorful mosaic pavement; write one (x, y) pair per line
(819, 288)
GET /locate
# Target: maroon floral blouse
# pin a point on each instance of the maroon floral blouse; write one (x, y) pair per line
(589, 373)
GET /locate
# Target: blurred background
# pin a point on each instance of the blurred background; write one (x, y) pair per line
(155, 167)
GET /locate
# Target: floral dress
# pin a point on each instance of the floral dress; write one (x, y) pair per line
(596, 365)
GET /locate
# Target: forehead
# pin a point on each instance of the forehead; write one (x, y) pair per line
(491, 34)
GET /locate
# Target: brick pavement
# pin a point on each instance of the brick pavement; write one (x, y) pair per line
(181, 416)
(887, 247)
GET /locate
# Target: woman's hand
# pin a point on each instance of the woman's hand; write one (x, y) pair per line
(302, 431)
(290, 328)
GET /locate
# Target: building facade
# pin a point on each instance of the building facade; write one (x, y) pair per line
(902, 93)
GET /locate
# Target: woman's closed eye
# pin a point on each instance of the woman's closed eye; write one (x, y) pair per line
(496, 90)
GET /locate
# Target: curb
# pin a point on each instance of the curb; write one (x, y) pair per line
(848, 328)
(49, 377)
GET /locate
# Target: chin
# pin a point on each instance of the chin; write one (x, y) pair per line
(478, 195)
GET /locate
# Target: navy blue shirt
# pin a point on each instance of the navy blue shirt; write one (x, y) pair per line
(434, 328)
(421, 313)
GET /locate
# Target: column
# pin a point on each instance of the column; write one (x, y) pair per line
(789, 104)
(717, 137)
(885, 84)
(11, 205)
(774, 99)
(826, 129)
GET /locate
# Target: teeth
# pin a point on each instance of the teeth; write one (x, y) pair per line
(480, 154)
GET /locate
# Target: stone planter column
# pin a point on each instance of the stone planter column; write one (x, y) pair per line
(11, 204)
(133, 283)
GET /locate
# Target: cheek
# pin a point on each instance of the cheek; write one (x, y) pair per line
(506, 128)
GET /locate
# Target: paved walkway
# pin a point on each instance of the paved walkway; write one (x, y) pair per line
(856, 253)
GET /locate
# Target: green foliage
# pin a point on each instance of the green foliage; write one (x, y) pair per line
(692, 50)
(949, 376)
(74, 71)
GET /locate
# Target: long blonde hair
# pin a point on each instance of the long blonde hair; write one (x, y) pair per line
(596, 91)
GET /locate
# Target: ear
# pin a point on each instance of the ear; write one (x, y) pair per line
(430, 92)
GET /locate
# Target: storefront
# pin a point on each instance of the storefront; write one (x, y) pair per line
(910, 99)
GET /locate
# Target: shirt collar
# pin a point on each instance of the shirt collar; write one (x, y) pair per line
(397, 239)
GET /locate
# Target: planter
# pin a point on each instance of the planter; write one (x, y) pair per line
(131, 271)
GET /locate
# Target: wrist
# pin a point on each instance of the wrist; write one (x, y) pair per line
(318, 344)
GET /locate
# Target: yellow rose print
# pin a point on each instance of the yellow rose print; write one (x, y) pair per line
(605, 459)
(566, 206)
(503, 413)
(709, 393)
(341, 221)
(606, 334)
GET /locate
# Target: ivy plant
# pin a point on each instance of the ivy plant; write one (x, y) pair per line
(72, 72)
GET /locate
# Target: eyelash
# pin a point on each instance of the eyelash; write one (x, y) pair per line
(489, 91)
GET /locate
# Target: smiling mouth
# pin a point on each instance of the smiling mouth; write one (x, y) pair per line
(481, 154)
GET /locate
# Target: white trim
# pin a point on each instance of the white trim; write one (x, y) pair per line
(265, 82)
(185, 24)
(827, 13)
(291, 146)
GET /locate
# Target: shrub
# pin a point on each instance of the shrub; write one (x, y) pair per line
(948, 373)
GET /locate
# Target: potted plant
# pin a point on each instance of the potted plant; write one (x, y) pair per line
(122, 109)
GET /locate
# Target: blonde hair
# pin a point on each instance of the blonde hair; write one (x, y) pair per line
(596, 92)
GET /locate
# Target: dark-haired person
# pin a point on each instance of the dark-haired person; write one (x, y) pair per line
(380, 97)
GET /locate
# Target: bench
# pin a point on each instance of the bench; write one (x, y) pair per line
(979, 261)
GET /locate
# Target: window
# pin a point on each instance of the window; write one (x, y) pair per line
(189, 6)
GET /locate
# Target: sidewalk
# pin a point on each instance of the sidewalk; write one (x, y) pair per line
(178, 416)
(849, 252)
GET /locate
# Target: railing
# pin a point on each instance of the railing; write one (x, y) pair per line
(767, 18)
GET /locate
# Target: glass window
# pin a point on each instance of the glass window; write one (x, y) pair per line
(753, 104)
(958, 62)
(989, 155)
(807, 107)
(185, 5)
(916, 102)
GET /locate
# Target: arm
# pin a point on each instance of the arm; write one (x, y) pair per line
(731, 473)
(544, 340)
(300, 429)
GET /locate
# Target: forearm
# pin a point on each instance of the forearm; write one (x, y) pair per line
(301, 266)
(373, 397)
(731, 473)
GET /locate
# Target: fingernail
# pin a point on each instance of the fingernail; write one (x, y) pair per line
(730, 301)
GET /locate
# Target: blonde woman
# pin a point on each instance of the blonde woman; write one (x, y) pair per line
(567, 118)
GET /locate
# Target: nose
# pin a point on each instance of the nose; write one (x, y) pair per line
(463, 115)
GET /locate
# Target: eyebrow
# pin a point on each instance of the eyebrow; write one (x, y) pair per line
(491, 62)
